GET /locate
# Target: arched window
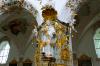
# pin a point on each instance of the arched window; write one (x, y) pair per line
(97, 42)
(4, 51)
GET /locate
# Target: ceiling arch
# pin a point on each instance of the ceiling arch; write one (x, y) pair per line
(91, 23)
(23, 17)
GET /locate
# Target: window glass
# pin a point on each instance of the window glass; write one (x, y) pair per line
(4, 51)
(97, 42)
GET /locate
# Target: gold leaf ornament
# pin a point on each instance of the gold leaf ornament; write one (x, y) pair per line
(65, 54)
(49, 13)
(41, 43)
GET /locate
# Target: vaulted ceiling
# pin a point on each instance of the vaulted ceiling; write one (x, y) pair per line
(18, 28)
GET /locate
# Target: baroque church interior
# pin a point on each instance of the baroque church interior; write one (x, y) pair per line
(49, 32)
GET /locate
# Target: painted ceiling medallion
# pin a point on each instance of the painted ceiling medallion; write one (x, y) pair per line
(49, 13)
(16, 26)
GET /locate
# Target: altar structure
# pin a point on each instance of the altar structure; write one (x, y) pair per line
(53, 40)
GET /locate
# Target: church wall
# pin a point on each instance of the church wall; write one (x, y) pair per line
(86, 47)
(30, 54)
(13, 54)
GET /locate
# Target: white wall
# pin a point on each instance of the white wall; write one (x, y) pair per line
(30, 53)
(15, 54)
(86, 47)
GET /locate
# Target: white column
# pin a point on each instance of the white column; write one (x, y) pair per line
(70, 43)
